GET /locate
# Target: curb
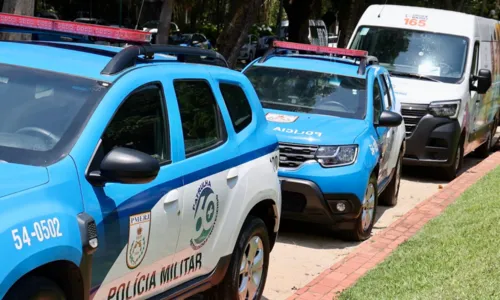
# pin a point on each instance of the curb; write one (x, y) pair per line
(371, 252)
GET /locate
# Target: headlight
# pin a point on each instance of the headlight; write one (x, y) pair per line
(336, 156)
(448, 109)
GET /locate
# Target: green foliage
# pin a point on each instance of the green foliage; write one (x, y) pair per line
(455, 256)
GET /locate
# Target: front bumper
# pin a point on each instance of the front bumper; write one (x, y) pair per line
(311, 194)
(433, 142)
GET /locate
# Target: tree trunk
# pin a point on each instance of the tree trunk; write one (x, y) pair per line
(354, 14)
(165, 19)
(298, 12)
(18, 7)
(448, 4)
(234, 35)
(484, 10)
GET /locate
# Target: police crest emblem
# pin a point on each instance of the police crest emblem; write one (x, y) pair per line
(138, 239)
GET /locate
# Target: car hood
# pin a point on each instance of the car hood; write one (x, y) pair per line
(16, 178)
(313, 129)
(418, 91)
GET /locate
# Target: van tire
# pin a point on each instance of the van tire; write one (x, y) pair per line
(229, 287)
(35, 287)
(451, 172)
(389, 196)
(484, 150)
(358, 233)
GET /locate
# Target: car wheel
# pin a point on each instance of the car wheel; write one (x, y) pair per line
(35, 288)
(364, 223)
(451, 172)
(389, 196)
(483, 151)
(247, 272)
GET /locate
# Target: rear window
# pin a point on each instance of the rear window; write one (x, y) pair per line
(309, 92)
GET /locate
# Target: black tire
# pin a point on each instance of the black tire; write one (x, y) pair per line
(33, 288)
(358, 233)
(484, 150)
(229, 287)
(389, 197)
(451, 172)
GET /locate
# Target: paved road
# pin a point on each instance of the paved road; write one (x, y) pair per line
(303, 252)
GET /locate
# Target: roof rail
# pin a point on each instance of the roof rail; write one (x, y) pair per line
(357, 55)
(129, 55)
(73, 30)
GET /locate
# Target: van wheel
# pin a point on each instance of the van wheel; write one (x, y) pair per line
(364, 223)
(483, 151)
(247, 273)
(35, 288)
(389, 196)
(451, 171)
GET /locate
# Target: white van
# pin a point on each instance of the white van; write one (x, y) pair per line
(318, 33)
(441, 64)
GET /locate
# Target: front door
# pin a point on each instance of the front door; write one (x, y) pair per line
(140, 223)
(384, 134)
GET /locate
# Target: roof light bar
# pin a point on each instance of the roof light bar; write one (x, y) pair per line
(66, 27)
(320, 49)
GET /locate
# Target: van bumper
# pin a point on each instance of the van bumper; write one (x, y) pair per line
(433, 142)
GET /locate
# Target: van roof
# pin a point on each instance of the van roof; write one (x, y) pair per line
(436, 20)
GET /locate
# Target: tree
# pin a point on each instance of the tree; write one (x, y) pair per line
(19, 7)
(165, 20)
(298, 12)
(235, 33)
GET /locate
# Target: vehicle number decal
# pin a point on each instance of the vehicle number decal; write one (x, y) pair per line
(416, 20)
(41, 231)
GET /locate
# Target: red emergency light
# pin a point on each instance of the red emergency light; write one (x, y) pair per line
(320, 49)
(67, 27)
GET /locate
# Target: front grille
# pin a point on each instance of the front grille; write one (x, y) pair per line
(294, 155)
(412, 114)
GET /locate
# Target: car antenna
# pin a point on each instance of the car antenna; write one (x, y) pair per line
(140, 13)
(383, 6)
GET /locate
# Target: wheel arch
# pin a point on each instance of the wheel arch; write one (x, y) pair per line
(64, 273)
(267, 210)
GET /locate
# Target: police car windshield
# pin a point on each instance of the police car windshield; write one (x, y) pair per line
(309, 92)
(42, 113)
(405, 52)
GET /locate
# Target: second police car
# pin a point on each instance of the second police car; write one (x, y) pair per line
(128, 173)
(340, 130)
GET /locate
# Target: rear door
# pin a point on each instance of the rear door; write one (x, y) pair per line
(209, 154)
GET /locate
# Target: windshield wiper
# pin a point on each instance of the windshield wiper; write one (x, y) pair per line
(411, 75)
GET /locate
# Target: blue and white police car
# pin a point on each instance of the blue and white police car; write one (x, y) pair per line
(340, 130)
(130, 173)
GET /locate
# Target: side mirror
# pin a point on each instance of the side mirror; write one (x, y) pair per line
(390, 119)
(483, 81)
(127, 166)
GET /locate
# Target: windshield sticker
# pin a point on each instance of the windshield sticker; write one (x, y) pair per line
(278, 118)
(296, 131)
(364, 31)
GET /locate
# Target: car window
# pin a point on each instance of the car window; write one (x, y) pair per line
(202, 124)
(377, 101)
(385, 91)
(237, 105)
(140, 124)
(387, 85)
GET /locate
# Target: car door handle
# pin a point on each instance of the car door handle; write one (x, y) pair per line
(232, 174)
(171, 197)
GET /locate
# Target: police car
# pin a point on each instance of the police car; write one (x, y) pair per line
(130, 173)
(340, 130)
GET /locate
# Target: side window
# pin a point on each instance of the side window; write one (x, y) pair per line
(475, 59)
(377, 101)
(140, 124)
(237, 105)
(387, 94)
(202, 123)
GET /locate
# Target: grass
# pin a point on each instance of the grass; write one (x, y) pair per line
(455, 256)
